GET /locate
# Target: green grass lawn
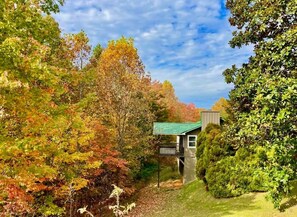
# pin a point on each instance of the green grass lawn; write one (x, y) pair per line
(193, 200)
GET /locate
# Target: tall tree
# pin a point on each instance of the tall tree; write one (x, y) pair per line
(122, 90)
(78, 48)
(171, 101)
(263, 101)
(45, 145)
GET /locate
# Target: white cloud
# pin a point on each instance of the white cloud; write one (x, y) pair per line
(185, 42)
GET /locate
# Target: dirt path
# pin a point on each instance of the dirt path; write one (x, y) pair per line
(151, 199)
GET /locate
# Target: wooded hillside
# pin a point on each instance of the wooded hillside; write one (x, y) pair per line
(74, 120)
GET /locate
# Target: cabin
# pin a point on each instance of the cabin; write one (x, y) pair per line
(186, 137)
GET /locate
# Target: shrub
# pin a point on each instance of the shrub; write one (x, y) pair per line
(210, 149)
(222, 179)
(225, 172)
(148, 169)
(236, 175)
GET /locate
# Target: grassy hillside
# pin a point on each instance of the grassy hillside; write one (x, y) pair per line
(193, 200)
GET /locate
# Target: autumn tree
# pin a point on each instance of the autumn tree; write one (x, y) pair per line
(78, 48)
(222, 106)
(171, 101)
(122, 100)
(189, 112)
(45, 144)
(158, 106)
(95, 56)
(263, 101)
(177, 110)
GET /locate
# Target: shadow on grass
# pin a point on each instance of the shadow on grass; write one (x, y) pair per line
(232, 205)
(288, 204)
(292, 199)
(197, 202)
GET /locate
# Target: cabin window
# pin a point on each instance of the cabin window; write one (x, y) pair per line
(192, 141)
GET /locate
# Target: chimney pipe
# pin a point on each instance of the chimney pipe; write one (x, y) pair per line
(208, 117)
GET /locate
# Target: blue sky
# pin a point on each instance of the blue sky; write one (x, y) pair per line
(183, 41)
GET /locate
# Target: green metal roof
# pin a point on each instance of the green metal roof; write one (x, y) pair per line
(175, 128)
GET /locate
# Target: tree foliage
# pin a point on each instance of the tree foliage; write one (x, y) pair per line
(78, 48)
(176, 110)
(222, 106)
(227, 172)
(46, 141)
(210, 149)
(122, 100)
(72, 120)
(263, 101)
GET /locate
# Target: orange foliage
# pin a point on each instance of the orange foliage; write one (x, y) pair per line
(177, 111)
(221, 105)
(15, 199)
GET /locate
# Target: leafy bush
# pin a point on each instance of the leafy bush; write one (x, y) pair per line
(223, 179)
(225, 172)
(148, 169)
(210, 149)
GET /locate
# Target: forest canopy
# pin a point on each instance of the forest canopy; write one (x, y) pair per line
(74, 120)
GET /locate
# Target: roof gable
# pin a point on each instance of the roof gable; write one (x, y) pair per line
(175, 128)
